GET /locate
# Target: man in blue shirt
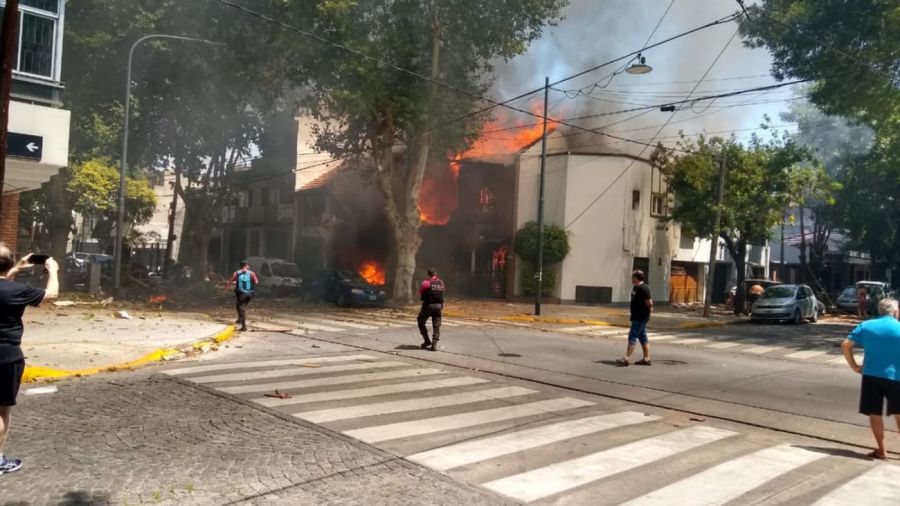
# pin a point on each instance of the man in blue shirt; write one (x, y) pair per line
(880, 340)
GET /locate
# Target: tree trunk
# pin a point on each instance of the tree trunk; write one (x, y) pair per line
(403, 213)
(738, 251)
(60, 222)
(804, 260)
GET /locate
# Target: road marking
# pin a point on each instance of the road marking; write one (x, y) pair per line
(562, 476)
(662, 337)
(357, 393)
(463, 420)
(345, 323)
(689, 341)
(479, 450)
(805, 354)
(759, 350)
(579, 329)
(875, 487)
(842, 361)
(386, 408)
(286, 373)
(331, 380)
(727, 481)
(723, 346)
(266, 363)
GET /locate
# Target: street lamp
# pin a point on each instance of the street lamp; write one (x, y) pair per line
(120, 218)
(640, 67)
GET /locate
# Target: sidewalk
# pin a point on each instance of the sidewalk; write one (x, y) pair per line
(86, 339)
(664, 317)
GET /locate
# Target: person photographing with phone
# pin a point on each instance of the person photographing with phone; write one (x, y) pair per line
(14, 298)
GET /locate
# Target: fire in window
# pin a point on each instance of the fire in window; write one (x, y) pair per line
(486, 199)
(658, 204)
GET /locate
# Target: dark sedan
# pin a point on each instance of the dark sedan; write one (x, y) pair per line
(344, 288)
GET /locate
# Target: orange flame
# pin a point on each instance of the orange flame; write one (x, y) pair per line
(438, 196)
(372, 271)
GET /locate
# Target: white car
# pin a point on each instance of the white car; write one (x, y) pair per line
(794, 303)
(277, 277)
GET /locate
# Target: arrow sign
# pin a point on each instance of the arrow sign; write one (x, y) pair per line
(25, 146)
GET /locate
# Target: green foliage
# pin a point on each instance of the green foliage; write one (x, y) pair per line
(548, 284)
(94, 187)
(556, 243)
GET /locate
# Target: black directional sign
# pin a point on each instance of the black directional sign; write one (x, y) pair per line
(25, 146)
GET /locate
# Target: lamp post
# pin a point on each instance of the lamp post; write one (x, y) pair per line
(120, 218)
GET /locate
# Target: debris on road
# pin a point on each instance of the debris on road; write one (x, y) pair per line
(278, 395)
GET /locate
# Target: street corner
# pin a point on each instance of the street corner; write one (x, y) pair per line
(42, 374)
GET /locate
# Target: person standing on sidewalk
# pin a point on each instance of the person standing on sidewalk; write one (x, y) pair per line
(880, 341)
(641, 307)
(432, 294)
(244, 281)
(14, 298)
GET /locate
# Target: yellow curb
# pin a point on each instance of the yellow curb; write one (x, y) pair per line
(702, 325)
(34, 373)
(562, 321)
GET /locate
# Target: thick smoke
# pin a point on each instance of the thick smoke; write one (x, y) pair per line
(595, 32)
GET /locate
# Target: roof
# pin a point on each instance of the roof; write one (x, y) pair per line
(324, 180)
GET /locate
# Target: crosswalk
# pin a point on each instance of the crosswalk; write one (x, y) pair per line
(757, 347)
(533, 445)
(355, 323)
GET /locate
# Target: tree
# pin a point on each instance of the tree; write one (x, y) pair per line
(556, 248)
(758, 186)
(398, 120)
(94, 188)
(850, 51)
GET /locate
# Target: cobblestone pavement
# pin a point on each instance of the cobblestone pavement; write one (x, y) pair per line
(140, 438)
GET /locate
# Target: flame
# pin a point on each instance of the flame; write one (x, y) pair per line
(372, 271)
(438, 196)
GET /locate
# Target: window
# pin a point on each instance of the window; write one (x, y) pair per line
(486, 199)
(687, 242)
(635, 200)
(658, 204)
(39, 34)
(243, 199)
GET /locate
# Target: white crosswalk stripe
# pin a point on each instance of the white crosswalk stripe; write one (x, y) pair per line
(555, 478)
(383, 408)
(281, 373)
(439, 424)
(330, 380)
(483, 449)
(876, 487)
(530, 445)
(357, 393)
(266, 363)
(805, 354)
(727, 481)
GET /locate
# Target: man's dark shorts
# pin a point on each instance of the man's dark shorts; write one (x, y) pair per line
(10, 380)
(873, 394)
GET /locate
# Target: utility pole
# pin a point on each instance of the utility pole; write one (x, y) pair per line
(9, 45)
(782, 271)
(539, 275)
(714, 243)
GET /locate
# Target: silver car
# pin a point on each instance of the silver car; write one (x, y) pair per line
(794, 303)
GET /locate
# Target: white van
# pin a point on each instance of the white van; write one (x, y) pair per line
(277, 277)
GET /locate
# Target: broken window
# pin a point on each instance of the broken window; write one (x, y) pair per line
(486, 199)
(658, 205)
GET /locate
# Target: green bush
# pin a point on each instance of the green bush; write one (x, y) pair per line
(528, 283)
(556, 243)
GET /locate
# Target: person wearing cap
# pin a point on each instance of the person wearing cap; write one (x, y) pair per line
(244, 281)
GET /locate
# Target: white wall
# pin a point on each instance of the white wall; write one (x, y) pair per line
(50, 123)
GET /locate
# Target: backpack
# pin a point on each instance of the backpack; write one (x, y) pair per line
(244, 282)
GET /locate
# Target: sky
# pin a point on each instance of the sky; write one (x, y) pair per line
(595, 31)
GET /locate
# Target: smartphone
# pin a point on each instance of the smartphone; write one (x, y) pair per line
(38, 259)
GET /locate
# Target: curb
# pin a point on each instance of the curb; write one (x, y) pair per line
(36, 373)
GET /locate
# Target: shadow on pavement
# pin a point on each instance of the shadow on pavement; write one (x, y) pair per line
(838, 452)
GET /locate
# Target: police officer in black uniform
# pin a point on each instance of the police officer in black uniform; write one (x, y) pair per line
(432, 293)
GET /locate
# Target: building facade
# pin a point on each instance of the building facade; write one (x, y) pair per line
(38, 126)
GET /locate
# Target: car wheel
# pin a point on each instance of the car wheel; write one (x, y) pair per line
(340, 301)
(815, 316)
(798, 318)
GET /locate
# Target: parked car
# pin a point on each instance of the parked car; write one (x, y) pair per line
(877, 290)
(277, 277)
(793, 303)
(344, 288)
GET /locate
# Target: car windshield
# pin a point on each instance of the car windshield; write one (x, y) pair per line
(288, 270)
(849, 292)
(779, 292)
(351, 277)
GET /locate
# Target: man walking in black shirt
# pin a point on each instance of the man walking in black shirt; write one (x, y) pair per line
(14, 297)
(641, 307)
